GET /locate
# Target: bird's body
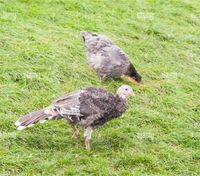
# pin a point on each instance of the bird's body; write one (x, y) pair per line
(88, 108)
(107, 59)
(105, 66)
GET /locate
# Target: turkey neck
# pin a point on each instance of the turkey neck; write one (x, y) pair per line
(121, 104)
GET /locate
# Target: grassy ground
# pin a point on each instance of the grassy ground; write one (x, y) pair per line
(42, 56)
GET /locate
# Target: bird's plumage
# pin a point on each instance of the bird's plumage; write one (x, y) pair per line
(86, 107)
(106, 58)
(89, 108)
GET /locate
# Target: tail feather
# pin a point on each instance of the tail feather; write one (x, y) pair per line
(132, 72)
(84, 33)
(32, 118)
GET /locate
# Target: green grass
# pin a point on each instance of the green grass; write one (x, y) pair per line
(42, 56)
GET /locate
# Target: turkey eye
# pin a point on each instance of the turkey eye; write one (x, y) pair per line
(126, 89)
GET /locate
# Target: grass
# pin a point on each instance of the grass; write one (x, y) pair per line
(42, 56)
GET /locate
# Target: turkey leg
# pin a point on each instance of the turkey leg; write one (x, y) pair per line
(87, 136)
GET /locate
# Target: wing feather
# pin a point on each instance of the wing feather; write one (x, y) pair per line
(95, 103)
(69, 104)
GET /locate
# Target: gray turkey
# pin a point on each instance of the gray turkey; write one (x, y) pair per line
(107, 59)
(89, 108)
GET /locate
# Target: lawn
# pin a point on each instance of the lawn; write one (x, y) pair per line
(42, 56)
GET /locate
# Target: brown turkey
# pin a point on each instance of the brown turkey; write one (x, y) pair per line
(89, 108)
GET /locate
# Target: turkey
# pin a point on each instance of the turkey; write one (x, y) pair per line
(88, 108)
(107, 59)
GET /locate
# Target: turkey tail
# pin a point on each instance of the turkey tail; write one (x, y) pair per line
(132, 72)
(32, 118)
(85, 35)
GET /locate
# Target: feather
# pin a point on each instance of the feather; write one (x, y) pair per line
(30, 119)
